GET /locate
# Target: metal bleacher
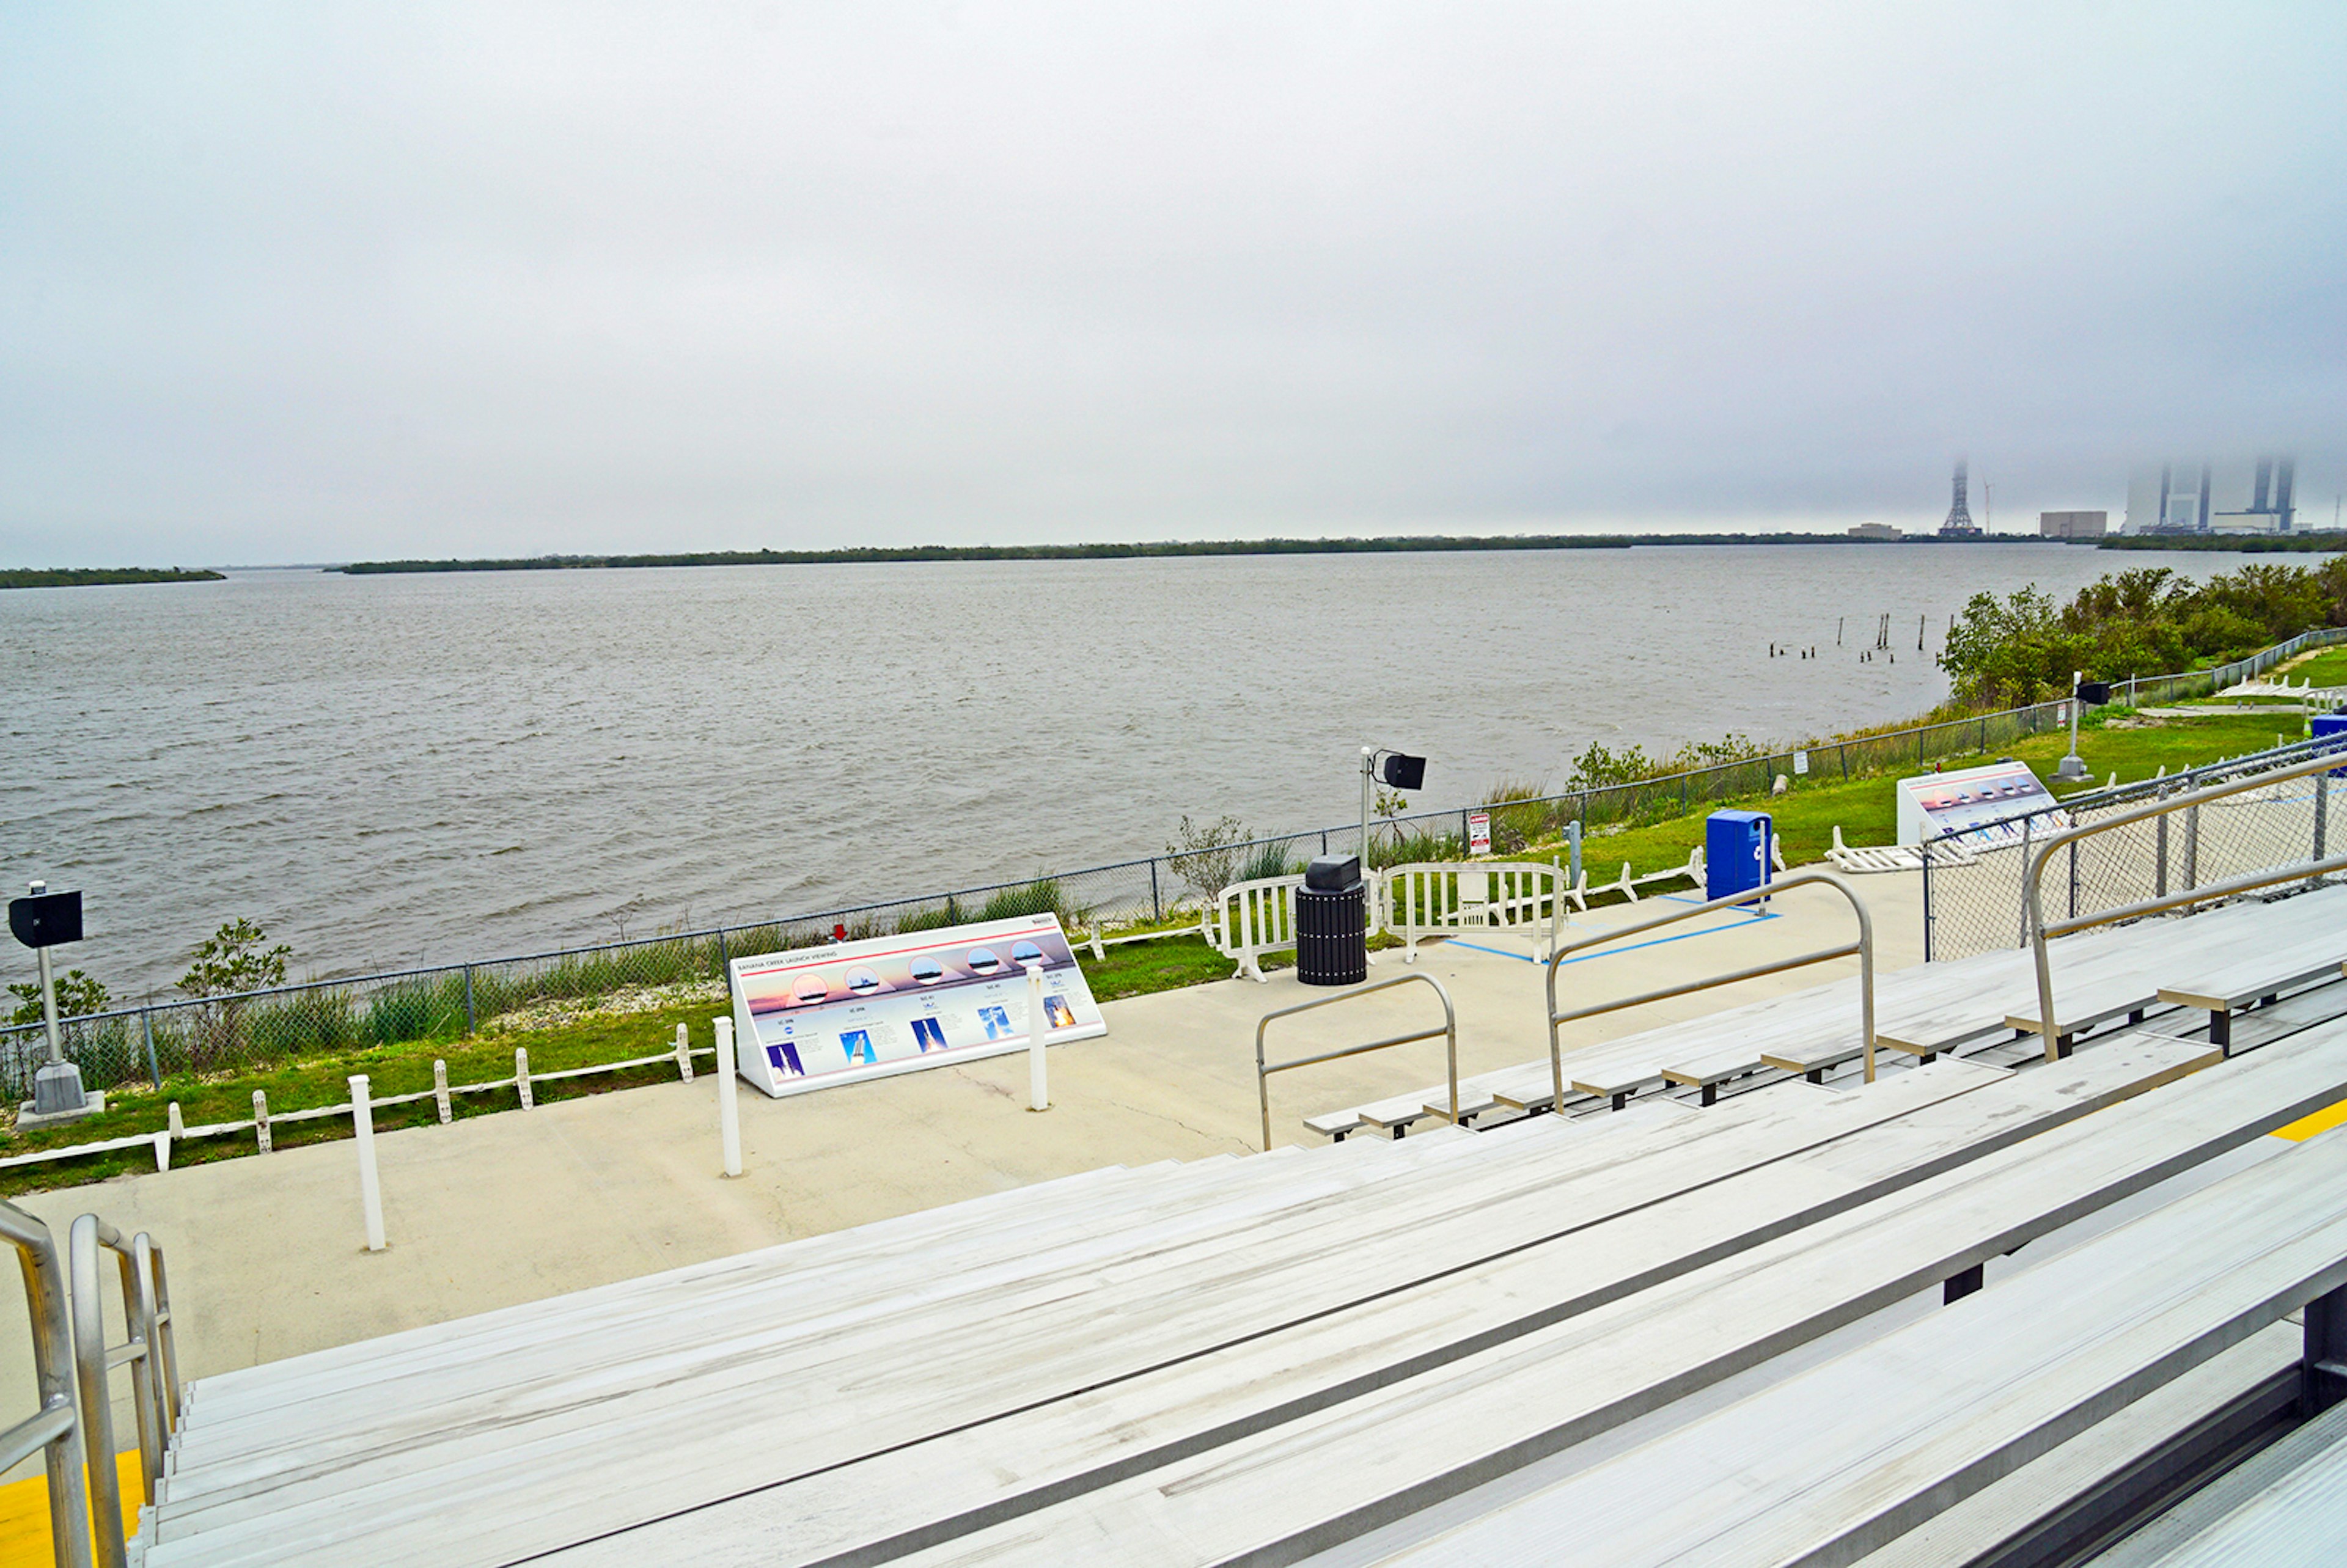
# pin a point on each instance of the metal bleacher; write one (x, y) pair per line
(1971, 1310)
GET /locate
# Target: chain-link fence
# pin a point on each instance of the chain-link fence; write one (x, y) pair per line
(210, 1035)
(1973, 896)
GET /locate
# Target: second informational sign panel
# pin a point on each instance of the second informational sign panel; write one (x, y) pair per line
(1970, 805)
(1479, 832)
(815, 1017)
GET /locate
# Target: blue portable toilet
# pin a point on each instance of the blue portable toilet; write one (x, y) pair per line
(1735, 851)
(2330, 727)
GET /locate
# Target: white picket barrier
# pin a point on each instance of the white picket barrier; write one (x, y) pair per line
(1492, 897)
(1249, 919)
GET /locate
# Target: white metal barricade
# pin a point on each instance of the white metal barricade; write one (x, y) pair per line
(1249, 919)
(1492, 897)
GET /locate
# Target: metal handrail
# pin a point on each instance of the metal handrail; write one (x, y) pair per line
(147, 1352)
(55, 1433)
(1863, 948)
(2034, 901)
(1450, 1031)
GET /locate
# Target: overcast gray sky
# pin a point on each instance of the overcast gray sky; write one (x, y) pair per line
(322, 281)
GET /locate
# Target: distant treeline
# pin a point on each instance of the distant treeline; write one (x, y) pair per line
(1392, 543)
(96, 576)
(2247, 544)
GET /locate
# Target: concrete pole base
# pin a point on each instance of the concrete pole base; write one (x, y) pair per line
(58, 1096)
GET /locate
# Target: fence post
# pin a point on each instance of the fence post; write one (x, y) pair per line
(370, 1186)
(724, 960)
(684, 1054)
(2321, 818)
(154, 1069)
(1843, 749)
(1573, 839)
(468, 1000)
(440, 1088)
(1157, 905)
(177, 1123)
(162, 1151)
(261, 1119)
(1039, 1024)
(2027, 823)
(729, 1113)
(1926, 857)
(521, 1076)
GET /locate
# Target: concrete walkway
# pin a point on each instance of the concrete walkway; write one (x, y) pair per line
(267, 1253)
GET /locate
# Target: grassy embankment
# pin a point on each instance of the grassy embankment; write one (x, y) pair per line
(1806, 817)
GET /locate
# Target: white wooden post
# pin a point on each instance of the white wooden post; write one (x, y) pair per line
(177, 1123)
(162, 1151)
(370, 1186)
(261, 1119)
(729, 1113)
(440, 1090)
(684, 1054)
(1039, 1024)
(521, 1076)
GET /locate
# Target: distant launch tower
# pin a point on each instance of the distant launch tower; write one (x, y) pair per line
(1960, 524)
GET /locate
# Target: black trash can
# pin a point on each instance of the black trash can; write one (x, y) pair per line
(1332, 923)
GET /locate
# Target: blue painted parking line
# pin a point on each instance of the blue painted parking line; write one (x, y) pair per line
(1658, 941)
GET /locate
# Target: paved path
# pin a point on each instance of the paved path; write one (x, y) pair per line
(267, 1253)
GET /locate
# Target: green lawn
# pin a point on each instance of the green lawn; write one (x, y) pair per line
(1806, 816)
(2328, 668)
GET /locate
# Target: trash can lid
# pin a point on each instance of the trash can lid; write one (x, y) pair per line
(1332, 873)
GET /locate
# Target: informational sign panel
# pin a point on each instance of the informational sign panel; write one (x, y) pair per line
(1971, 804)
(815, 1017)
(1800, 765)
(1479, 832)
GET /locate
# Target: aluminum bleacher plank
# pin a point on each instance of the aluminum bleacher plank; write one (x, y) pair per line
(2034, 1510)
(723, 1407)
(1843, 1457)
(1523, 1166)
(843, 1508)
(1335, 1472)
(2232, 1519)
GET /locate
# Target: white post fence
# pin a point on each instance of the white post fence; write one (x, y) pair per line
(370, 1185)
(729, 1110)
(1494, 898)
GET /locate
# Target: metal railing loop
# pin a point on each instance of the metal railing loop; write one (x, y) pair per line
(1863, 948)
(2189, 802)
(147, 1353)
(1448, 1032)
(55, 1433)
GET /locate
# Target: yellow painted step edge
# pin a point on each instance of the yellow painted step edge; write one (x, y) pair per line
(24, 1513)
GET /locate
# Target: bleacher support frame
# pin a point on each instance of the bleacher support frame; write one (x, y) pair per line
(1448, 1032)
(2040, 931)
(1863, 948)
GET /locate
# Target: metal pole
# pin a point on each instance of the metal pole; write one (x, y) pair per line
(729, 1112)
(468, 998)
(49, 1008)
(1038, 1025)
(147, 1024)
(1573, 837)
(370, 1183)
(1368, 756)
(1157, 905)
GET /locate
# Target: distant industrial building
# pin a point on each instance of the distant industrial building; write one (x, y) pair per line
(2249, 497)
(2074, 525)
(1960, 524)
(1875, 531)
